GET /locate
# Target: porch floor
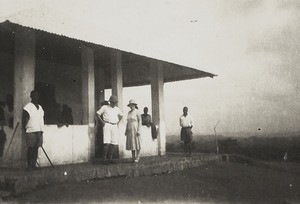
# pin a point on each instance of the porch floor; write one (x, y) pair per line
(17, 181)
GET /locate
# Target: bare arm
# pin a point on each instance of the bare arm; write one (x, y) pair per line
(120, 117)
(180, 122)
(99, 113)
(100, 119)
(25, 119)
(139, 120)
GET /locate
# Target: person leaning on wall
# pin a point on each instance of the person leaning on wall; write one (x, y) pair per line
(9, 111)
(2, 138)
(146, 118)
(147, 121)
(2, 117)
(99, 133)
(33, 125)
(110, 116)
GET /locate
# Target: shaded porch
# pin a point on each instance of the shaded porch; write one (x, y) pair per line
(77, 73)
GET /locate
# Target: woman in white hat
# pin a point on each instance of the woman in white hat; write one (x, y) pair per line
(132, 132)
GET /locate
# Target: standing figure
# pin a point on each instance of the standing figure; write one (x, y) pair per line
(2, 139)
(186, 133)
(9, 111)
(146, 118)
(132, 132)
(99, 134)
(33, 124)
(110, 116)
(2, 117)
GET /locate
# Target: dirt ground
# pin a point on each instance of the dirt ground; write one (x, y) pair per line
(216, 183)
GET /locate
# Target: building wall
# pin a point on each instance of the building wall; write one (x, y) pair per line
(65, 145)
(65, 78)
(72, 144)
(67, 82)
(6, 75)
(149, 147)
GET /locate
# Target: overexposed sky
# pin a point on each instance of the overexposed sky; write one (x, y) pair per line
(253, 46)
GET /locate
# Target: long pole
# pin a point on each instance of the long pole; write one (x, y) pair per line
(47, 157)
(11, 139)
(216, 136)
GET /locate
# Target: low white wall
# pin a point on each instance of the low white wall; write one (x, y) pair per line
(149, 147)
(71, 144)
(65, 145)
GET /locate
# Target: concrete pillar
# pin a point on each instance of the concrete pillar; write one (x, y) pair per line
(117, 76)
(24, 79)
(117, 90)
(100, 86)
(88, 93)
(158, 106)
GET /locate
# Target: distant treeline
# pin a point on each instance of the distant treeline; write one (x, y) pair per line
(270, 148)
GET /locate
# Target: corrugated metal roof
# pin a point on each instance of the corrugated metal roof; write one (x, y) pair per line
(88, 29)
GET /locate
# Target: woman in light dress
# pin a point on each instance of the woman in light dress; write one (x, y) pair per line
(132, 132)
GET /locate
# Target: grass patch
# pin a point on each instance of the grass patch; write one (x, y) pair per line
(269, 148)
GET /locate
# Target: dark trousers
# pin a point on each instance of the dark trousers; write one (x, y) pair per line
(186, 136)
(187, 147)
(1, 148)
(32, 154)
(108, 150)
(99, 142)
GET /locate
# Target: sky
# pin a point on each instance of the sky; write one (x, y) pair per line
(253, 46)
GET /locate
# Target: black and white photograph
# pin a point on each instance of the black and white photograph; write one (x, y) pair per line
(150, 101)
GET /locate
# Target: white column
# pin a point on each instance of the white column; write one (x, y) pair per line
(117, 90)
(88, 93)
(117, 76)
(158, 107)
(100, 86)
(24, 79)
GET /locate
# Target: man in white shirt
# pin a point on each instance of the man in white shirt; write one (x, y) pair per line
(186, 123)
(33, 124)
(111, 116)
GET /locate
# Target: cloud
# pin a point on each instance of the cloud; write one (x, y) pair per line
(231, 8)
(277, 53)
(289, 4)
